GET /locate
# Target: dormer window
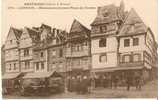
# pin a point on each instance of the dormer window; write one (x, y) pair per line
(101, 29)
(105, 14)
(11, 41)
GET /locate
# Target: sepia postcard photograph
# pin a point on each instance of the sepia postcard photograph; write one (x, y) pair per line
(79, 49)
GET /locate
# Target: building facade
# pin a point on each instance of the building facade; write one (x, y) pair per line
(26, 43)
(12, 53)
(56, 51)
(118, 43)
(78, 52)
(137, 45)
(104, 43)
(40, 55)
(2, 60)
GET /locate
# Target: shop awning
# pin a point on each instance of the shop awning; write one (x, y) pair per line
(130, 68)
(10, 75)
(111, 69)
(39, 75)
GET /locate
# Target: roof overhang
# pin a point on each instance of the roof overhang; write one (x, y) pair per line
(112, 69)
(11, 75)
(40, 75)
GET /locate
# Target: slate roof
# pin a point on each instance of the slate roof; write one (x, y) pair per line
(77, 27)
(45, 26)
(133, 24)
(17, 32)
(112, 15)
(34, 35)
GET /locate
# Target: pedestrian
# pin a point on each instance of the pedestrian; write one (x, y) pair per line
(89, 84)
(140, 83)
(136, 81)
(115, 80)
(79, 85)
(128, 82)
(84, 85)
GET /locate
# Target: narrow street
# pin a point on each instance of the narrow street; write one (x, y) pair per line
(150, 90)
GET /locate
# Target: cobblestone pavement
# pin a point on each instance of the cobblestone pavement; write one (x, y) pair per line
(148, 91)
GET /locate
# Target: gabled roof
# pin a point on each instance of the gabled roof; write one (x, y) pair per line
(133, 24)
(45, 26)
(106, 14)
(32, 33)
(17, 32)
(77, 27)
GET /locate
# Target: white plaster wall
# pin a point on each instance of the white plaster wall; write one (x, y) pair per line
(27, 70)
(12, 66)
(11, 36)
(11, 54)
(30, 56)
(41, 70)
(111, 45)
(111, 61)
(25, 40)
(140, 47)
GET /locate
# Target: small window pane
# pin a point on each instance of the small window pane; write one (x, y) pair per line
(102, 43)
(136, 57)
(126, 58)
(126, 43)
(103, 58)
(135, 41)
(41, 54)
(37, 66)
(42, 65)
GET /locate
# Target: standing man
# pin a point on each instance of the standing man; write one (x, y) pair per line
(128, 81)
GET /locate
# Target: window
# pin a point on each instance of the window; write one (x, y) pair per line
(102, 42)
(37, 65)
(10, 66)
(136, 57)
(14, 66)
(60, 53)
(105, 14)
(126, 42)
(85, 43)
(104, 28)
(42, 65)
(53, 66)
(135, 41)
(41, 54)
(103, 58)
(126, 58)
(26, 52)
(77, 48)
(53, 52)
(101, 29)
(78, 62)
(27, 65)
(85, 61)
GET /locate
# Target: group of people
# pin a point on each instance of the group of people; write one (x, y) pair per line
(80, 84)
(83, 84)
(115, 81)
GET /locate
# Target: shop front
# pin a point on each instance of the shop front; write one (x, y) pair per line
(42, 83)
(77, 77)
(118, 76)
(11, 82)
